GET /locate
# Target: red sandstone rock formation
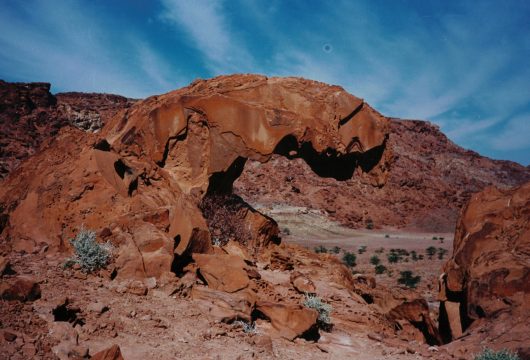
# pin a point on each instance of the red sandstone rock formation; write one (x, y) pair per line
(485, 288)
(142, 179)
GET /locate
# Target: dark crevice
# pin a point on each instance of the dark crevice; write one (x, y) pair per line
(443, 318)
(102, 145)
(312, 334)
(67, 313)
(178, 138)
(422, 326)
(121, 168)
(222, 182)
(129, 136)
(369, 159)
(330, 163)
(348, 118)
(179, 261)
(368, 298)
(132, 187)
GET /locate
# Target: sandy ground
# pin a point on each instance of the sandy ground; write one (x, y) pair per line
(311, 229)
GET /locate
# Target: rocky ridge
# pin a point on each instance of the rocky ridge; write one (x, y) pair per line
(30, 116)
(429, 180)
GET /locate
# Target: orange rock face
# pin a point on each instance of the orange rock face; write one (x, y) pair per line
(488, 276)
(140, 182)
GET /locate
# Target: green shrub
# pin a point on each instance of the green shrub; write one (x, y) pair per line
(321, 249)
(248, 328)
(336, 249)
(88, 253)
(489, 354)
(369, 224)
(435, 238)
(380, 269)
(323, 309)
(414, 255)
(349, 259)
(406, 278)
(362, 249)
(387, 236)
(374, 260)
(441, 253)
(392, 257)
(380, 250)
(430, 251)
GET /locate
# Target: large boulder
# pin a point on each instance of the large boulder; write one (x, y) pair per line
(488, 276)
(291, 321)
(21, 289)
(222, 272)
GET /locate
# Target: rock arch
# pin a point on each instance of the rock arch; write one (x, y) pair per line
(152, 166)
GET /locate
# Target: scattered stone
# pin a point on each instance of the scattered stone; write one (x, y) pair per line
(97, 307)
(222, 272)
(9, 336)
(263, 343)
(301, 283)
(112, 353)
(137, 287)
(375, 337)
(291, 321)
(150, 283)
(22, 289)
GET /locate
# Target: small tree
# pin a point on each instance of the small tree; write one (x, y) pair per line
(406, 278)
(374, 260)
(362, 249)
(349, 259)
(430, 251)
(336, 249)
(380, 269)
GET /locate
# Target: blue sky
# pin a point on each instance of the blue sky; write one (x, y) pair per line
(464, 65)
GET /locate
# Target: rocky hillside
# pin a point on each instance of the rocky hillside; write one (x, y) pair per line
(31, 115)
(430, 179)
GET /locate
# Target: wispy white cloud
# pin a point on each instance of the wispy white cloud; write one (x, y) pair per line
(515, 135)
(65, 44)
(207, 25)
